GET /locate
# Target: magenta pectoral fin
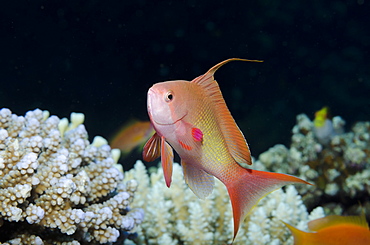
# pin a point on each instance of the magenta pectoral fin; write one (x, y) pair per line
(167, 161)
(249, 186)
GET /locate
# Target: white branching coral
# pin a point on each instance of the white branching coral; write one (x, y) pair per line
(176, 216)
(57, 186)
(340, 168)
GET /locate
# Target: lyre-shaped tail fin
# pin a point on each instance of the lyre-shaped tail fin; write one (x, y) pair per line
(252, 185)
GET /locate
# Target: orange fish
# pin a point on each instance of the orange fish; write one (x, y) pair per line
(132, 135)
(334, 230)
(193, 118)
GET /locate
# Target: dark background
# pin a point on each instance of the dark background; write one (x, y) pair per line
(100, 58)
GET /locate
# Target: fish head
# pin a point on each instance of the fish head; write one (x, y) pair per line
(168, 102)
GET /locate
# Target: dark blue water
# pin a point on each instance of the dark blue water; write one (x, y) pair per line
(100, 57)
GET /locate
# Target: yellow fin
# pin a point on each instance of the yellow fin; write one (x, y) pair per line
(333, 220)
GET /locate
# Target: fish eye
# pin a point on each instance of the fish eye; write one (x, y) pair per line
(168, 96)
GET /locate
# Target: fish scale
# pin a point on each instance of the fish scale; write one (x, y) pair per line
(214, 147)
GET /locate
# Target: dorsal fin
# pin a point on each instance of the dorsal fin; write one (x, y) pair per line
(234, 138)
(333, 220)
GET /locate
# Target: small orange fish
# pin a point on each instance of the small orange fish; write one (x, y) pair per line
(132, 135)
(193, 118)
(334, 230)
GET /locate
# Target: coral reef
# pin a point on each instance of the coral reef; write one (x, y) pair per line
(56, 187)
(340, 169)
(176, 216)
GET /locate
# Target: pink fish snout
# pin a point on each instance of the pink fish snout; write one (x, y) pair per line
(150, 98)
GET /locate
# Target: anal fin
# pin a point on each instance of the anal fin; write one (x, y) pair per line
(199, 181)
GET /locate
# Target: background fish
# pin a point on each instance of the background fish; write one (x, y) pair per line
(193, 118)
(132, 135)
(334, 230)
(323, 126)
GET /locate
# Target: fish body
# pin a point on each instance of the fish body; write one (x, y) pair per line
(334, 230)
(192, 117)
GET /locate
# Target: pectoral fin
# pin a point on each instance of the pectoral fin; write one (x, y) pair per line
(152, 148)
(167, 161)
(192, 137)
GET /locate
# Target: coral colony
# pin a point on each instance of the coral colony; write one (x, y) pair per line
(339, 169)
(176, 216)
(56, 187)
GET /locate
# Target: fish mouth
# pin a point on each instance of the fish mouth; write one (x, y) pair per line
(172, 122)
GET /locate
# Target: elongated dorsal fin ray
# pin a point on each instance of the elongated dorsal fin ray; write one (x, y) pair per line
(234, 138)
(204, 79)
(215, 67)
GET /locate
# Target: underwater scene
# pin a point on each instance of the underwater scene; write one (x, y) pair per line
(185, 122)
